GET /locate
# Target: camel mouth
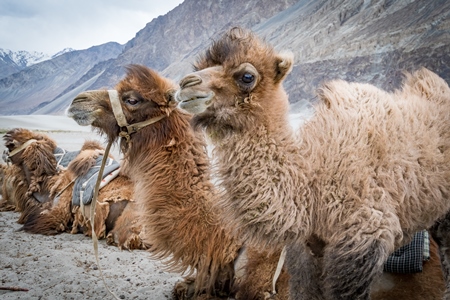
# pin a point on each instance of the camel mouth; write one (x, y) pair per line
(194, 103)
(81, 110)
(79, 116)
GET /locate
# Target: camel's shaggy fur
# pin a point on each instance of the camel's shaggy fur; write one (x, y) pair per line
(113, 214)
(364, 174)
(14, 188)
(30, 174)
(169, 165)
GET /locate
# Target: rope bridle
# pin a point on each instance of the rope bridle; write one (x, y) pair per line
(125, 129)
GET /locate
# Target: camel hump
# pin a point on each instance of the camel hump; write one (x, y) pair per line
(83, 162)
(86, 158)
(427, 84)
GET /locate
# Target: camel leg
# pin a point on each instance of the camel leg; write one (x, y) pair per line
(126, 229)
(441, 234)
(304, 268)
(349, 268)
(50, 220)
(256, 275)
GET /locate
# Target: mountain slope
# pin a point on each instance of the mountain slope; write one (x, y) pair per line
(358, 40)
(15, 61)
(175, 38)
(365, 41)
(42, 82)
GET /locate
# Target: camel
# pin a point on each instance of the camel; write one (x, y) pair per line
(356, 182)
(55, 181)
(168, 163)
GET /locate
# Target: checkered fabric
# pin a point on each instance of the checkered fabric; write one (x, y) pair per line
(409, 258)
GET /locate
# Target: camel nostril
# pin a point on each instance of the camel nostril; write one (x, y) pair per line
(190, 80)
(79, 99)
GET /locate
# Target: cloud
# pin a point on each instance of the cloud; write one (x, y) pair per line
(52, 25)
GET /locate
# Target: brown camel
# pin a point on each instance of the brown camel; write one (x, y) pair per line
(365, 173)
(115, 216)
(169, 166)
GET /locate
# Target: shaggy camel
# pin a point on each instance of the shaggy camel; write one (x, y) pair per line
(169, 166)
(115, 216)
(365, 173)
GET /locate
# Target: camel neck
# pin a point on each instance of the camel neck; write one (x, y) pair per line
(263, 175)
(156, 149)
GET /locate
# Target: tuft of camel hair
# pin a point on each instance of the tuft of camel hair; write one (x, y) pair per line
(13, 188)
(366, 172)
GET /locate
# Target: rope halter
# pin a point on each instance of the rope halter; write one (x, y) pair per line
(125, 129)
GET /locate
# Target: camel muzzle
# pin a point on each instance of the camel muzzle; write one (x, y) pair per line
(7, 155)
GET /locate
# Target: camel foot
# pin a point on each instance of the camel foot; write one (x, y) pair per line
(133, 241)
(184, 290)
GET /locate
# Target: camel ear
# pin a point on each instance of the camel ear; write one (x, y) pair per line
(285, 61)
(11, 143)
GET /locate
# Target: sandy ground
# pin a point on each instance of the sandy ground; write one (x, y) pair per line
(64, 266)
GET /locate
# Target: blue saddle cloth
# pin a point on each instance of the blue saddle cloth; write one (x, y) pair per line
(83, 190)
(64, 157)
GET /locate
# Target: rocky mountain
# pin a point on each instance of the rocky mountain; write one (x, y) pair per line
(359, 40)
(34, 87)
(364, 41)
(15, 61)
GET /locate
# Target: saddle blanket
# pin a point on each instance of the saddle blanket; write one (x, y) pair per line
(64, 157)
(410, 258)
(83, 190)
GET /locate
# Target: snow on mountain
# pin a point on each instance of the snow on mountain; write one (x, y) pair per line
(24, 58)
(65, 50)
(15, 61)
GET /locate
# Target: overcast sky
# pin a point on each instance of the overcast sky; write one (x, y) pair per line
(51, 25)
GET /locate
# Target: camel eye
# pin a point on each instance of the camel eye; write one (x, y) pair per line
(248, 78)
(132, 101)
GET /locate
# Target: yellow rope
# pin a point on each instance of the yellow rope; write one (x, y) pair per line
(278, 270)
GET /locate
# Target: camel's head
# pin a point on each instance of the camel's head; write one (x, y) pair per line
(141, 96)
(33, 152)
(23, 144)
(236, 81)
